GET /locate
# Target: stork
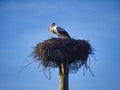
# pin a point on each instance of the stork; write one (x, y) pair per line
(59, 31)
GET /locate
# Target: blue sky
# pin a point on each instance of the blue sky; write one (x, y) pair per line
(24, 23)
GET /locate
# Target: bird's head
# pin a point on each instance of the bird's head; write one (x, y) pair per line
(51, 25)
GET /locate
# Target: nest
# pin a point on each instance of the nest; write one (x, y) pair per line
(54, 51)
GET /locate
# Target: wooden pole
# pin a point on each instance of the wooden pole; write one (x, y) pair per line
(63, 75)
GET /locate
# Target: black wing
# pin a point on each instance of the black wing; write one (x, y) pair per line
(62, 32)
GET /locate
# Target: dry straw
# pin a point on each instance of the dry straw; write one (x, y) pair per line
(54, 51)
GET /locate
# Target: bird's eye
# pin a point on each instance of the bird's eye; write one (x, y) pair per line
(52, 25)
